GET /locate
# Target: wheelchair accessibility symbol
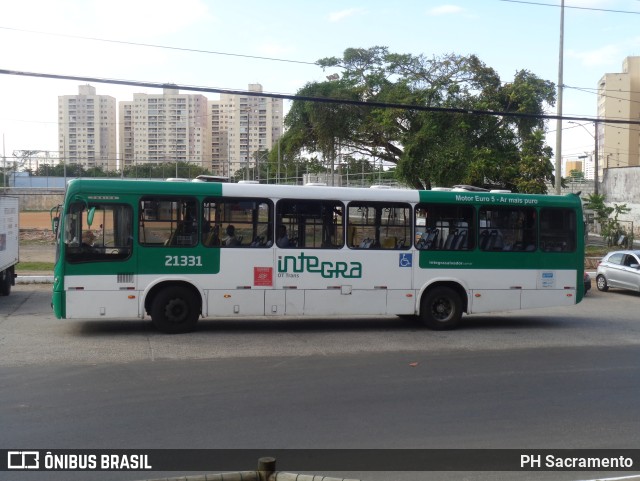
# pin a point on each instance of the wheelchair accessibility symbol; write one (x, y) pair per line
(405, 260)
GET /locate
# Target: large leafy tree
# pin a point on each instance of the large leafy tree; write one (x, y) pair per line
(444, 140)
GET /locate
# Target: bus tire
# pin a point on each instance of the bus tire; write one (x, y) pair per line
(441, 309)
(175, 310)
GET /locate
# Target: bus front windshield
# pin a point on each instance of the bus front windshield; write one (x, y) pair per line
(108, 237)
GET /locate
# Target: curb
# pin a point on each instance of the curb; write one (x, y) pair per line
(34, 280)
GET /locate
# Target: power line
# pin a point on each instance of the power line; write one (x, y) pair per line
(211, 52)
(360, 103)
(569, 6)
(166, 47)
(580, 89)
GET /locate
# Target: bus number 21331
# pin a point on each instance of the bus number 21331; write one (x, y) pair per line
(181, 261)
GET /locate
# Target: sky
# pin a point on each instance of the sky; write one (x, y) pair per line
(216, 44)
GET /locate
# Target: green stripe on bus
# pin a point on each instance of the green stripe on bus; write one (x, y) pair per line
(157, 261)
(497, 198)
(498, 260)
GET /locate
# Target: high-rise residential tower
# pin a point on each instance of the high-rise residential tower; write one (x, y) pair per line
(87, 129)
(243, 128)
(167, 127)
(619, 98)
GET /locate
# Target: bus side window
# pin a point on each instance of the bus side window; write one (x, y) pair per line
(168, 221)
(312, 224)
(379, 225)
(445, 227)
(507, 229)
(237, 222)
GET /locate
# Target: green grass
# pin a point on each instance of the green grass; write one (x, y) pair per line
(599, 251)
(34, 266)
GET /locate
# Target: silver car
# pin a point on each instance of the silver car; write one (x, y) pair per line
(619, 269)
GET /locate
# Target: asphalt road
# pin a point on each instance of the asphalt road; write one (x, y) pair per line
(551, 378)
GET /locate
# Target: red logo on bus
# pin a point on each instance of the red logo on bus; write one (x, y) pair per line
(263, 276)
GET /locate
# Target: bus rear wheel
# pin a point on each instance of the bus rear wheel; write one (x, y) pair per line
(175, 310)
(441, 309)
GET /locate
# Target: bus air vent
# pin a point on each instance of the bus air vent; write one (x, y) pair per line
(125, 278)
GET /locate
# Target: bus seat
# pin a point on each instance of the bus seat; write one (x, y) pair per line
(448, 243)
(495, 241)
(432, 239)
(484, 239)
(389, 243)
(461, 241)
(366, 243)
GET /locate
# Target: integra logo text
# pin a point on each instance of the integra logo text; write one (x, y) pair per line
(326, 269)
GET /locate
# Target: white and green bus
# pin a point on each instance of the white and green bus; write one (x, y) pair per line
(181, 251)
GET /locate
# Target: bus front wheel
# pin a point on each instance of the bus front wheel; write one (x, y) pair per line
(441, 309)
(175, 310)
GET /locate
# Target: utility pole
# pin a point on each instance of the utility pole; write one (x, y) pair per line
(559, 122)
(595, 159)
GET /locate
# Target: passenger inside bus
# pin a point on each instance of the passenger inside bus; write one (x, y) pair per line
(231, 240)
(282, 239)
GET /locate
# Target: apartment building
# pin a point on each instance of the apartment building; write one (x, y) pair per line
(572, 166)
(167, 127)
(619, 98)
(243, 129)
(87, 129)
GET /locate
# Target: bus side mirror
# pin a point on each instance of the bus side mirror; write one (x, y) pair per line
(55, 222)
(90, 214)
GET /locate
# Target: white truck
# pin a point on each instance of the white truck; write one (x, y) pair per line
(9, 242)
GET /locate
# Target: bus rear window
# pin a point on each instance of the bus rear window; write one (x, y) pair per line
(558, 230)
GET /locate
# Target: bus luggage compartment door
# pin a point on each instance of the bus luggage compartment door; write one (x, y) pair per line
(336, 301)
(493, 300)
(111, 305)
(236, 302)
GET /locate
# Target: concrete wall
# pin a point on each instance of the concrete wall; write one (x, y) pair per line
(36, 199)
(622, 186)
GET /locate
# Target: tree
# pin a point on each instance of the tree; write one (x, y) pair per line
(610, 228)
(428, 146)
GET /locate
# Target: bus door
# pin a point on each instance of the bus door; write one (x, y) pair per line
(309, 236)
(239, 233)
(99, 262)
(379, 239)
